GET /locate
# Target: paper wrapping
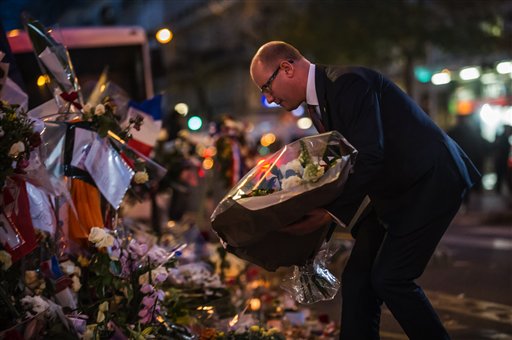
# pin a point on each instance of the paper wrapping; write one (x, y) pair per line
(250, 227)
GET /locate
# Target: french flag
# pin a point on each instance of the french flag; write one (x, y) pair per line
(151, 110)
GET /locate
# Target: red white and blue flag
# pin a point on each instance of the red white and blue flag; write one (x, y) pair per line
(151, 110)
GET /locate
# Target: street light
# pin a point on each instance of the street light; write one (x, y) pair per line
(441, 78)
(164, 35)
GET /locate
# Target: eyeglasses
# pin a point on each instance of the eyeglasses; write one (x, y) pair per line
(267, 87)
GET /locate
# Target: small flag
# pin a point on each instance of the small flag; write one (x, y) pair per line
(151, 110)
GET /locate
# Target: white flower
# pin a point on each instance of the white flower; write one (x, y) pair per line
(16, 149)
(158, 275)
(141, 177)
(87, 108)
(101, 238)
(107, 241)
(68, 267)
(76, 285)
(5, 259)
(35, 303)
(101, 312)
(89, 332)
(313, 172)
(97, 234)
(99, 110)
(290, 182)
(294, 165)
(2, 133)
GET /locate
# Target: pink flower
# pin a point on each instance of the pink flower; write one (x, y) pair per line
(147, 289)
(148, 300)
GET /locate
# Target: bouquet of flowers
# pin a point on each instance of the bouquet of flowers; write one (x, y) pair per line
(304, 175)
(17, 140)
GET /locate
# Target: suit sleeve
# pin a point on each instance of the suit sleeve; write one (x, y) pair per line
(359, 118)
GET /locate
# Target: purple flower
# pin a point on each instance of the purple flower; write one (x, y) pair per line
(147, 289)
(138, 248)
(148, 300)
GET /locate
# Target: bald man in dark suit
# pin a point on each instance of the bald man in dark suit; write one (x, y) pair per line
(414, 174)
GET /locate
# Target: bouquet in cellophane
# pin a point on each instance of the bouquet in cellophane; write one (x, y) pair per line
(303, 175)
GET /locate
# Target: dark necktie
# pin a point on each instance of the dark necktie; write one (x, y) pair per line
(315, 117)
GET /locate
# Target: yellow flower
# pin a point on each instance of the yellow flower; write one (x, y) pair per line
(16, 149)
(101, 312)
(254, 328)
(141, 177)
(99, 110)
(5, 259)
(84, 261)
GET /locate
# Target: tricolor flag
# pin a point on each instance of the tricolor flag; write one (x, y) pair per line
(151, 110)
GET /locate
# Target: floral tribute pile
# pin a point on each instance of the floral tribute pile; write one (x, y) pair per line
(71, 266)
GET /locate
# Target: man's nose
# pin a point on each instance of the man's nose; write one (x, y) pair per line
(269, 97)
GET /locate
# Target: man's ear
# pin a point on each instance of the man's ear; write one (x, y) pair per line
(288, 67)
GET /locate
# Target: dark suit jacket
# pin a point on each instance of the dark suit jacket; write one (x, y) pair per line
(397, 142)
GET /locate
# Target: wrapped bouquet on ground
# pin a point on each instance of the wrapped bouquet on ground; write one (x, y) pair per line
(306, 174)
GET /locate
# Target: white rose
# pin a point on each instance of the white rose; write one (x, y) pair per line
(107, 241)
(97, 234)
(141, 177)
(101, 312)
(99, 110)
(5, 259)
(87, 108)
(290, 182)
(16, 149)
(76, 285)
(294, 165)
(68, 267)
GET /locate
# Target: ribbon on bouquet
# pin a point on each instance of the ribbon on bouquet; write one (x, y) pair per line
(71, 97)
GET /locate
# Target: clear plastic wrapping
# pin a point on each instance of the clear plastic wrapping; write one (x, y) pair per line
(306, 174)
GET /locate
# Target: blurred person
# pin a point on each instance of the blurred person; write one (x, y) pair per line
(414, 174)
(502, 151)
(467, 134)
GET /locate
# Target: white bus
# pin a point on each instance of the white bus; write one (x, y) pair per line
(124, 50)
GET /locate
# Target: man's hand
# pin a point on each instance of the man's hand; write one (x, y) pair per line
(312, 221)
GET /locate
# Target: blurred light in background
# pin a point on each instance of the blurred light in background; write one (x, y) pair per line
(464, 107)
(488, 78)
(195, 123)
(255, 304)
(304, 123)
(504, 67)
(441, 78)
(207, 163)
(423, 74)
(263, 150)
(267, 139)
(491, 118)
(181, 108)
(489, 181)
(13, 33)
(469, 73)
(164, 35)
(42, 80)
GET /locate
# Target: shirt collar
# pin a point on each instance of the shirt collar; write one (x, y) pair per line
(311, 97)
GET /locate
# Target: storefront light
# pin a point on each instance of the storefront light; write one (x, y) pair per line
(504, 67)
(441, 78)
(469, 73)
(488, 115)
